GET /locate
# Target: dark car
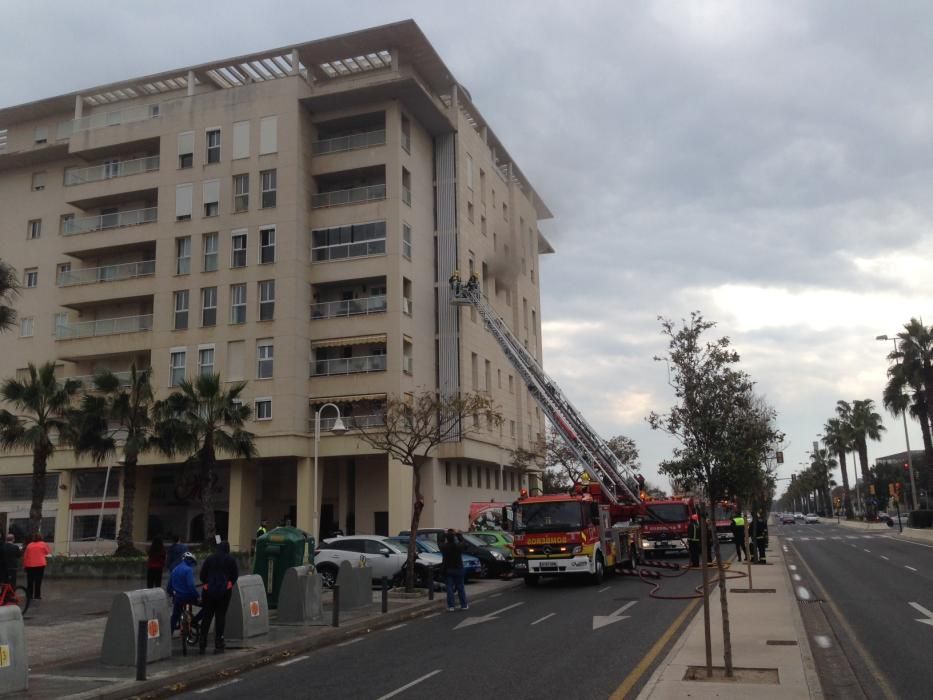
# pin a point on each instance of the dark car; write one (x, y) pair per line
(494, 561)
(787, 519)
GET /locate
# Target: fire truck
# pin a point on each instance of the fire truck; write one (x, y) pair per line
(664, 524)
(723, 512)
(591, 530)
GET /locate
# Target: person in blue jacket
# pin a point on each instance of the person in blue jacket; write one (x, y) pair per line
(182, 588)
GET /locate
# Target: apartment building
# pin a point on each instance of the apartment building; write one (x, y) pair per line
(287, 218)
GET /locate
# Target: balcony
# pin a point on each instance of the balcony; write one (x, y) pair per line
(349, 307)
(128, 115)
(351, 142)
(88, 379)
(108, 171)
(348, 365)
(104, 326)
(107, 273)
(371, 420)
(355, 195)
(133, 217)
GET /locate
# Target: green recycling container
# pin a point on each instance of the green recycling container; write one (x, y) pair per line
(276, 551)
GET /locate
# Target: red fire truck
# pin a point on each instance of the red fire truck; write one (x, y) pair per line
(664, 524)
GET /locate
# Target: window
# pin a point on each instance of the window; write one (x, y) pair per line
(61, 323)
(356, 240)
(213, 145)
(406, 241)
(470, 211)
(236, 352)
(447, 473)
(267, 245)
(185, 149)
(534, 322)
(482, 186)
(183, 207)
(38, 181)
(240, 140)
(84, 527)
(41, 134)
(240, 192)
(488, 375)
(406, 186)
(31, 277)
(482, 225)
(180, 322)
(209, 244)
(267, 300)
(263, 408)
(512, 428)
(268, 135)
(406, 143)
(27, 327)
(176, 369)
(487, 477)
(238, 255)
(264, 359)
(511, 384)
(237, 303)
(469, 475)
(34, 229)
(459, 475)
(469, 171)
(63, 273)
(505, 211)
(209, 306)
(183, 255)
(210, 197)
(267, 180)
(206, 361)
(496, 478)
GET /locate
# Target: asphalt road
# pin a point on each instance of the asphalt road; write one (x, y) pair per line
(877, 591)
(557, 640)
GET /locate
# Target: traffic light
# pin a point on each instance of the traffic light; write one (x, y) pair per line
(906, 468)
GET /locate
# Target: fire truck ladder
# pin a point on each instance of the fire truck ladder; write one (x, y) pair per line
(600, 463)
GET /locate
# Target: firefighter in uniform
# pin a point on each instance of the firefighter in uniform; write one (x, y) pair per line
(693, 539)
(738, 535)
(760, 528)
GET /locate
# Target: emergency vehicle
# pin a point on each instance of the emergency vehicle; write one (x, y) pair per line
(664, 524)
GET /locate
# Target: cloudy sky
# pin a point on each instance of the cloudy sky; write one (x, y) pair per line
(768, 163)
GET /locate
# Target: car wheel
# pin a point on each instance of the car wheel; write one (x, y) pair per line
(328, 573)
(484, 571)
(532, 580)
(599, 574)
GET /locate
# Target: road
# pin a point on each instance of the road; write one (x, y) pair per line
(877, 595)
(561, 639)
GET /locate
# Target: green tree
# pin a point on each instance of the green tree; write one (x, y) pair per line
(38, 423)
(116, 417)
(838, 438)
(9, 288)
(866, 425)
(822, 465)
(201, 419)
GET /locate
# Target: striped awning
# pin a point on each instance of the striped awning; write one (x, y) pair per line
(358, 340)
(346, 399)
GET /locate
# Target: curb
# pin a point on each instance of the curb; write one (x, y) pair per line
(214, 669)
(803, 641)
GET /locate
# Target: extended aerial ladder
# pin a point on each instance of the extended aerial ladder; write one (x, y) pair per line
(602, 466)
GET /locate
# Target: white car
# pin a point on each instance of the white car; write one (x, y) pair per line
(810, 518)
(798, 516)
(385, 558)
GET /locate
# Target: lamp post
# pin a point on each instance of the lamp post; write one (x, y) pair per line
(910, 462)
(338, 429)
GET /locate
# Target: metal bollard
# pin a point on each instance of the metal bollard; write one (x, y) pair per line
(335, 622)
(142, 642)
(385, 595)
(430, 583)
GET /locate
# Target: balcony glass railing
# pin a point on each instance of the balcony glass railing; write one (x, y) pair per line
(356, 195)
(88, 379)
(133, 217)
(371, 420)
(104, 326)
(348, 365)
(107, 273)
(349, 307)
(341, 251)
(99, 120)
(107, 171)
(353, 142)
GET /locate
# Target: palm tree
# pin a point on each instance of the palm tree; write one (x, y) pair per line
(38, 423)
(201, 419)
(866, 425)
(837, 436)
(907, 378)
(9, 286)
(822, 465)
(112, 417)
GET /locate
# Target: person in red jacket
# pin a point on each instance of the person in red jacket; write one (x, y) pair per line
(34, 563)
(155, 563)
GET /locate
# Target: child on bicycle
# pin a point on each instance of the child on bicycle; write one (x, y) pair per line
(182, 588)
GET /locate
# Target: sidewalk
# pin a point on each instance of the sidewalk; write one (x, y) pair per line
(768, 641)
(65, 657)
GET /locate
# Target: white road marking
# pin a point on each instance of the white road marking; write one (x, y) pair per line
(468, 622)
(820, 539)
(909, 567)
(409, 685)
(292, 661)
(790, 539)
(494, 595)
(542, 619)
(851, 537)
(905, 541)
(867, 550)
(923, 611)
(603, 590)
(428, 617)
(837, 538)
(796, 577)
(792, 567)
(803, 593)
(885, 558)
(822, 641)
(804, 539)
(396, 627)
(219, 685)
(786, 549)
(603, 620)
(352, 641)
(867, 537)
(87, 679)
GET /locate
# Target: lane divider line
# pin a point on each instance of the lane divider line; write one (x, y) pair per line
(909, 567)
(803, 593)
(867, 550)
(603, 590)
(409, 685)
(822, 641)
(542, 619)
(396, 627)
(885, 558)
(352, 641)
(219, 685)
(292, 661)
(796, 577)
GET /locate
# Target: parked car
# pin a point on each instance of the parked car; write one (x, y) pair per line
(385, 558)
(494, 561)
(811, 518)
(787, 519)
(494, 538)
(799, 516)
(430, 552)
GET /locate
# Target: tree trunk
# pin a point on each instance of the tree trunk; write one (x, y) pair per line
(416, 507)
(846, 501)
(40, 458)
(924, 417)
(125, 544)
(724, 603)
(870, 510)
(207, 494)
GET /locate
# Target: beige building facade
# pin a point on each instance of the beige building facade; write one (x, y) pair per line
(290, 219)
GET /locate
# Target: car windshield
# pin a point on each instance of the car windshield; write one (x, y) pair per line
(668, 512)
(420, 545)
(721, 512)
(474, 540)
(549, 517)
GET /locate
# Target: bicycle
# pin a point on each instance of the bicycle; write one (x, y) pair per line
(189, 630)
(15, 596)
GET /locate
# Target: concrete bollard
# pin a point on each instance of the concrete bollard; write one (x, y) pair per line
(128, 609)
(248, 615)
(335, 618)
(300, 598)
(14, 664)
(385, 595)
(356, 586)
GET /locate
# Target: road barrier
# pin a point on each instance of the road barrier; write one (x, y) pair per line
(356, 586)
(128, 609)
(14, 664)
(300, 598)
(248, 615)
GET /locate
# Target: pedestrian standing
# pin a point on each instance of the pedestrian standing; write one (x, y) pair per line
(175, 552)
(262, 529)
(34, 561)
(761, 537)
(218, 574)
(155, 563)
(11, 557)
(693, 539)
(738, 535)
(452, 551)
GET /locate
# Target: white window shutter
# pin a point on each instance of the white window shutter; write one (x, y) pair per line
(183, 200)
(268, 135)
(240, 140)
(211, 191)
(236, 355)
(185, 143)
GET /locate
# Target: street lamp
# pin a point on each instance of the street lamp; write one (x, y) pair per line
(338, 429)
(910, 462)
